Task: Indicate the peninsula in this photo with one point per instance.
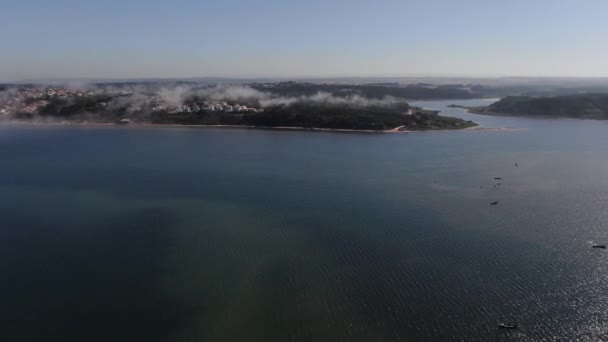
(583, 106)
(246, 106)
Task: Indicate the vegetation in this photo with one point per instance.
(315, 115)
(67, 107)
(331, 116)
(413, 91)
(584, 106)
(307, 114)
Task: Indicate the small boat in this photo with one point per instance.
(497, 178)
(599, 246)
(494, 203)
(507, 326)
(516, 165)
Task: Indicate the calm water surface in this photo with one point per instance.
(184, 234)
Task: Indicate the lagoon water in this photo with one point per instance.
(189, 234)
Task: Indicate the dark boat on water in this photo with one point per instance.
(599, 246)
(507, 326)
(497, 178)
(494, 203)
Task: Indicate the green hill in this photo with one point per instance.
(311, 115)
(584, 106)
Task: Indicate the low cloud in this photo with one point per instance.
(177, 95)
(267, 99)
(140, 99)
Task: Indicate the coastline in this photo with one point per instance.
(531, 117)
(478, 111)
(276, 128)
(150, 125)
(495, 129)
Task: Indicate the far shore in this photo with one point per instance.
(148, 124)
(478, 111)
(281, 128)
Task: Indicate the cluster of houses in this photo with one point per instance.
(206, 106)
(14, 107)
(36, 93)
(33, 107)
(31, 99)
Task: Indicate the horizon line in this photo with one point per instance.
(295, 78)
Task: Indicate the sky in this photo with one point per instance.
(43, 39)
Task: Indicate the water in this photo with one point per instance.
(184, 234)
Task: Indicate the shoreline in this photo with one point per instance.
(476, 111)
(277, 128)
(509, 129)
(149, 125)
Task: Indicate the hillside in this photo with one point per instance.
(585, 106)
(377, 91)
(310, 115)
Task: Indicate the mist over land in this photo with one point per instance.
(347, 103)
(372, 106)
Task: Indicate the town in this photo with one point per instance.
(204, 106)
(20, 101)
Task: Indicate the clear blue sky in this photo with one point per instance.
(190, 38)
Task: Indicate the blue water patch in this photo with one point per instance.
(181, 234)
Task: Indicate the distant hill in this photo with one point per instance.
(585, 106)
(410, 92)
